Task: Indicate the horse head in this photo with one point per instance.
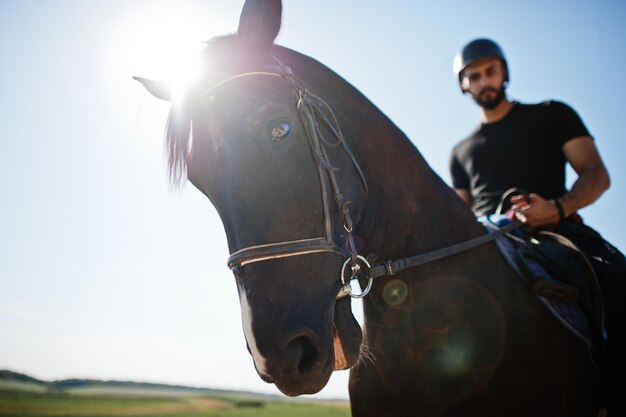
(262, 142)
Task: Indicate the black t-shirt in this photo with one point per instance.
(524, 150)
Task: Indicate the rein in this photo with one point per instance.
(393, 267)
(310, 107)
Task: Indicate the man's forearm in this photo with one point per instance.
(589, 186)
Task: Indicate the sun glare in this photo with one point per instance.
(161, 40)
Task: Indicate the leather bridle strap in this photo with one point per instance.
(393, 267)
(265, 252)
(269, 70)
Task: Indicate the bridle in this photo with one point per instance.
(311, 108)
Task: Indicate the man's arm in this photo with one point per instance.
(593, 180)
(465, 195)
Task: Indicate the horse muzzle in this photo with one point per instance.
(300, 359)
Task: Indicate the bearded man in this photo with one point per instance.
(526, 147)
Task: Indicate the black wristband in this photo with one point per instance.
(559, 207)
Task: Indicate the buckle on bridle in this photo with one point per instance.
(355, 271)
(389, 269)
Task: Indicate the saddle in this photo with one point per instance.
(555, 270)
(573, 276)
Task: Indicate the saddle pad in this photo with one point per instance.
(569, 314)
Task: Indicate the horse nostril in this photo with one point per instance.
(305, 353)
(300, 365)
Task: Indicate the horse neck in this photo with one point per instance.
(410, 209)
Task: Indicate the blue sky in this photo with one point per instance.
(105, 273)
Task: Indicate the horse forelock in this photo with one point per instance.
(177, 146)
(218, 52)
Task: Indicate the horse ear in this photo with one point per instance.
(259, 24)
(158, 88)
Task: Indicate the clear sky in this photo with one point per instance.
(105, 273)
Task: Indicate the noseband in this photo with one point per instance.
(311, 108)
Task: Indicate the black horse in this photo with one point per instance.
(312, 183)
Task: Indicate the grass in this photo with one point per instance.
(36, 404)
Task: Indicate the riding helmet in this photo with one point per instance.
(475, 50)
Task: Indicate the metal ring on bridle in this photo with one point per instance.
(346, 264)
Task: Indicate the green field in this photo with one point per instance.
(38, 404)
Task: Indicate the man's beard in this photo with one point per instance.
(490, 103)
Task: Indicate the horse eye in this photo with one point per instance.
(280, 130)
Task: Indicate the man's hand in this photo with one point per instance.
(534, 210)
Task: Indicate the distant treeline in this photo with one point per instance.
(62, 384)
(72, 384)
(83, 383)
(16, 376)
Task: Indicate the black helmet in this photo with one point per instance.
(475, 50)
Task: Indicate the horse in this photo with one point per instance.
(314, 185)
